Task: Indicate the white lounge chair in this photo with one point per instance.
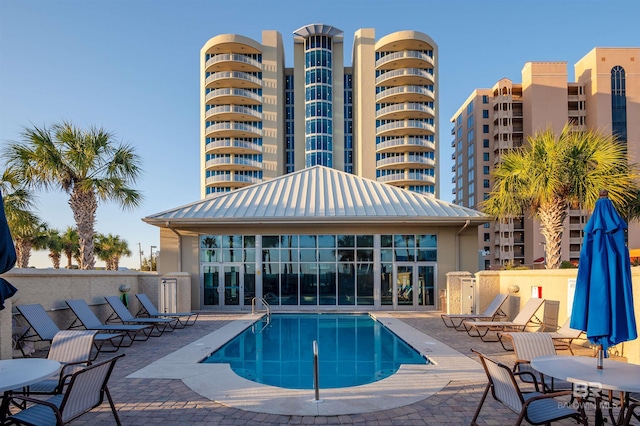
(563, 338)
(490, 314)
(519, 323)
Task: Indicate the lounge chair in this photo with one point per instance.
(122, 314)
(519, 323)
(44, 329)
(89, 320)
(85, 391)
(563, 338)
(534, 407)
(148, 309)
(490, 314)
(550, 315)
(72, 349)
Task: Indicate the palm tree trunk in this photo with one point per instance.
(552, 216)
(55, 259)
(23, 253)
(84, 205)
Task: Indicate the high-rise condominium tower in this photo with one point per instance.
(376, 119)
(604, 96)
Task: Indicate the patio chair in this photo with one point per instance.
(148, 309)
(72, 349)
(44, 329)
(564, 337)
(534, 407)
(85, 391)
(121, 313)
(527, 346)
(89, 320)
(631, 413)
(492, 312)
(526, 315)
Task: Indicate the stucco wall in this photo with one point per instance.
(555, 286)
(51, 287)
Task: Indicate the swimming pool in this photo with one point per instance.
(353, 349)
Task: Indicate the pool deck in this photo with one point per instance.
(159, 383)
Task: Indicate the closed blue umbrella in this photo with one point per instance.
(603, 300)
(7, 256)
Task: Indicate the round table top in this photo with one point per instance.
(19, 372)
(615, 375)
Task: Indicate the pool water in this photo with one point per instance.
(353, 349)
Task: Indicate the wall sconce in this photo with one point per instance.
(513, 288)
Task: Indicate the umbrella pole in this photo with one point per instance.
(600, 356)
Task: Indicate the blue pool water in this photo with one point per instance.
(353, 349)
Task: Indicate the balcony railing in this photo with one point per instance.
(399, 90)
(405, 72)
(238, 75)
(406, 106)
(232, 57)
(233, 143)
(229, 91)
(406, 54)
(399, 160)
(406, 141)
(232, 109)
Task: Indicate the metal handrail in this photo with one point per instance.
(264, 303)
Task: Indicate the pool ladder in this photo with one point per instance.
(267, 307)
(264, 303)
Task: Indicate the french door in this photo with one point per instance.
(414, 284)
(222, 285)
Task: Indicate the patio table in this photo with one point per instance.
(19, 372)
(582, 370)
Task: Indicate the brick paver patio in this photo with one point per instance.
(170, 402)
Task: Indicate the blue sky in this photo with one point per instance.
(132, 67)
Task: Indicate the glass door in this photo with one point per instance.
(404, 285)
(414, 284)
(233, 285)
(426, 285)
(210, 290)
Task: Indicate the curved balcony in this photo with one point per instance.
(405, 94)
(232, 113)
(405, 76)
(233, 163)
(406, 144)
(232, 146)
(232, 79)
(405, 59)
(229, 95)
(404, 127)
(230, 129)
(405, 110)
(406, 162)
(232, 62)
(408, 178)
(232, 180)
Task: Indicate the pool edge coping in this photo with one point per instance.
(410, 384)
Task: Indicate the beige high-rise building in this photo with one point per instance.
(376, 119)
(605, 96)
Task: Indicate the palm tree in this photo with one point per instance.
(28, 235)
(25, 226)
(86, 164)
(70, 245)
(55, 246)
(553, 173)
(110, 248)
